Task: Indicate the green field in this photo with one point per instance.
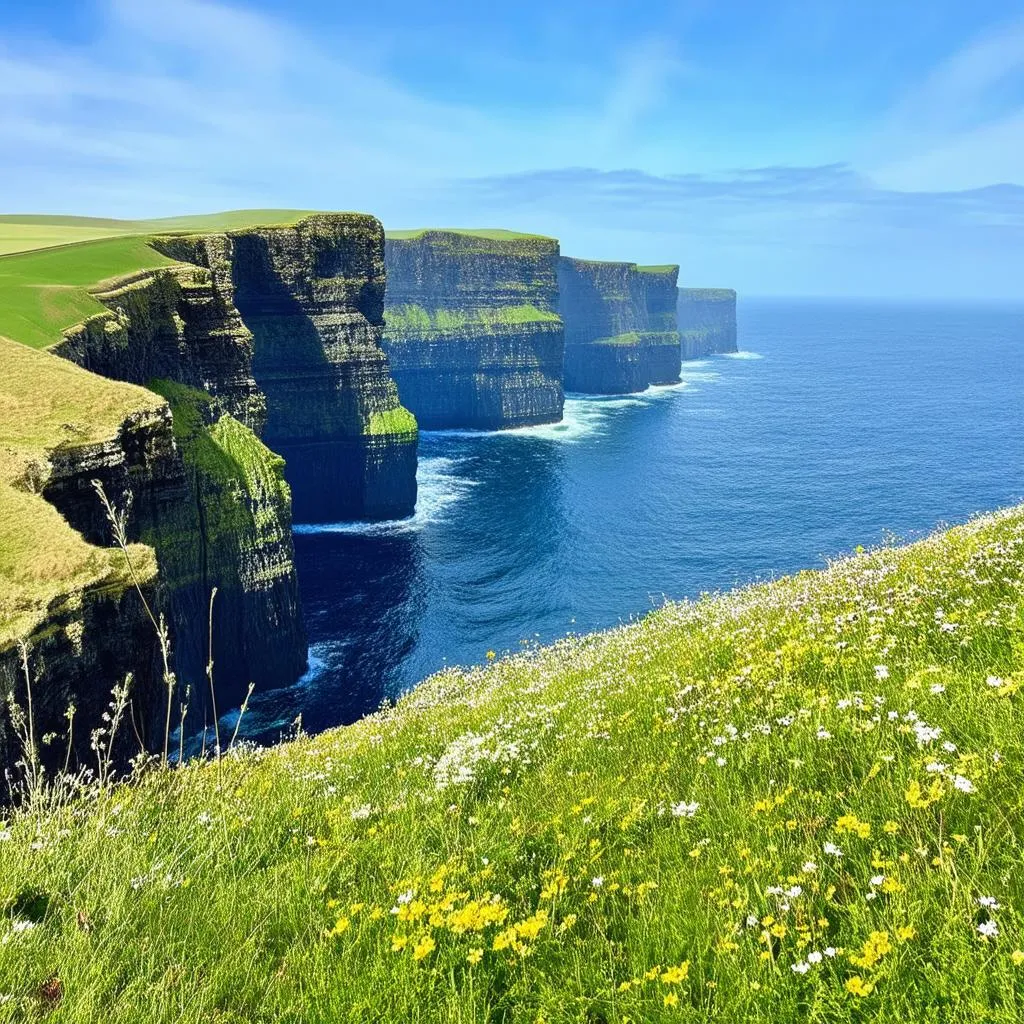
(23, 232)
(45, 292)
(798, 802)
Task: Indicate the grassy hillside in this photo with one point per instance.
(43, 293)
(41, 557)
(23, 232)
(797, 802)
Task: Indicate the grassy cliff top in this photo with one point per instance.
(24, 232)
(707, 294)
(796, 801)
(492, 234)
(657, 268)
(46, 403)
(43, 293)
(411, 321)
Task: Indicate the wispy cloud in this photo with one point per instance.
(963, 124)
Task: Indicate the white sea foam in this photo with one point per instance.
(439, 486)
(743, 355)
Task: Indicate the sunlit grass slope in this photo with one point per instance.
(44, 293)
(48, 403)
(23, 232)
(796, 802)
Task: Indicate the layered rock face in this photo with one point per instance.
(219, 516)
(313, 297)
(664, 354)
(707, 321)
(620, 329)
(72, 599)
(472, 328)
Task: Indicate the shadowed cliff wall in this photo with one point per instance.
(707, 321)
(472, 329)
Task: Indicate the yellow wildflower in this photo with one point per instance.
(906, 933)
(341, 926)
(671, 999)
(424, 948)
(1017, 956)
(674, 975)
(858, 986)
(399, 942)
(474, 956)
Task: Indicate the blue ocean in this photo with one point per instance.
(838, 424)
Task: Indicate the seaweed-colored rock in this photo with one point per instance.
(224, 520)
(620, 325)
(707, 321)
(472, 328)
(312, 295)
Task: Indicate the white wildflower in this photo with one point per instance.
(989, 929)
(832, 850)
(685, 810)
(800, 968)
(963, 784)
(881, 672)
(814, 958)
(597, 881)
(989, 902)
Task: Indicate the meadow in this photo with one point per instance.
(799, 801)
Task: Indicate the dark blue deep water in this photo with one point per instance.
(839, 425)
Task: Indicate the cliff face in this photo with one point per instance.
(312, 296)
(472, 328)
(707, 321)
(63, 591)
(664, 354)
(217, 512)
(620, 330)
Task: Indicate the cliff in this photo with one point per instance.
(472, 329)
(312, 296)
(63, 591)
(664, 355)
(620, 325)
(222, 517)
(707, 321)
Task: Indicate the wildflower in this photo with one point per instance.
(990, 902)
(399, 942)
(877, 880)
(832, 850)
(988, 929)
(876, 945)
(671, 999)
(341, 926)
(597, 881)
(362, 813)
(937, 688)
(823, 733)
(814, 957)
(1017, 956)
(5, 835)
(675, 975)
(809, 867)
(491, 655)
(891, 827)
(881, 672)
(857, 986)
(830, 951)
(474, 956)
(684, 809)
(800, 968)
(906, 933)
(964, 785)
(994, 681)
(424, 948)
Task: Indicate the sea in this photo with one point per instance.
(838, 424)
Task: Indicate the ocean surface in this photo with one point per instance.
(837, 425)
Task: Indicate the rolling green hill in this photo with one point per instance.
(25, 232)
(797, 802)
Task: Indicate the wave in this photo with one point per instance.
(743, 355)
(439, 486)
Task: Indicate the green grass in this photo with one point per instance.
(642, 826)
(392, 421)
(46, 403)
(492, 234)
(661, 268)
(417, 321)
(629, 338)
(44, 293)
(23, 232)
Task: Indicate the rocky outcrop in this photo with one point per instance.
(472, 328)
(664, 355)
(72, 599)
(218, 512)
(707, 321)
(312, 296)
(620, 329)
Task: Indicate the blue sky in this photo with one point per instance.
(816, 147)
